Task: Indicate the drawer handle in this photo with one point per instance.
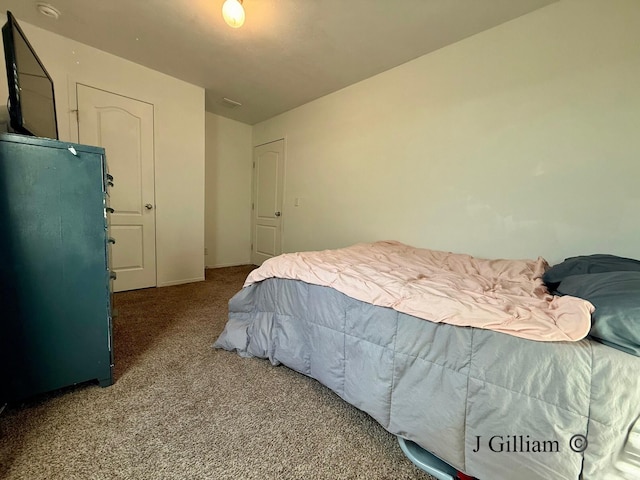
(113, 275)
(110, 210)
(111, 240)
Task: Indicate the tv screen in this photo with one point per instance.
(32, 109)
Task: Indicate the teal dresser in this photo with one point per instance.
(55, 296)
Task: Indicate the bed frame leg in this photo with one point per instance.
(428, 462)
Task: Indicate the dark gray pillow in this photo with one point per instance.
(616, 296)
(598, 263)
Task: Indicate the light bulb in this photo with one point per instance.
(233, 13)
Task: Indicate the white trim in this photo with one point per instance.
(72, 108)
(180, 282)
(225, 265)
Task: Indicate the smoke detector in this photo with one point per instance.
(48, 10)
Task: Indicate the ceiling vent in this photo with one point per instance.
(230, 103)
(48, 10)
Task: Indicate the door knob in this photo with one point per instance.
(148, 206)
(277, 214)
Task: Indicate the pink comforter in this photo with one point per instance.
(507, 296)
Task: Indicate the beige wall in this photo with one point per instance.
(517, 142)
(228, 192)
(178, 140)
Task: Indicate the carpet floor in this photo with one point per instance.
(180, 409)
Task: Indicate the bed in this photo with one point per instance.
(494, 393)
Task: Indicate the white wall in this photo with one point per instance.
(178, 140)
(228, 173)
(516, 142)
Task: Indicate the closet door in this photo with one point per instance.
(124, 127)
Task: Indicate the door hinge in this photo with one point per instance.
(252, 207)
(254, 164)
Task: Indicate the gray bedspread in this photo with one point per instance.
(491, 405)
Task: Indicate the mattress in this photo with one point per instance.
(489, 404)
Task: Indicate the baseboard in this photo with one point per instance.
(224, 265)
(180, 282)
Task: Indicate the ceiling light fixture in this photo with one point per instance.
(233, 13)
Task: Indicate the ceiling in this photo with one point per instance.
(288, 52)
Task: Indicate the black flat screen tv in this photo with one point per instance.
(32, 106)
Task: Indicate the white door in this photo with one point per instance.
(124, 127)
(268, 185)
